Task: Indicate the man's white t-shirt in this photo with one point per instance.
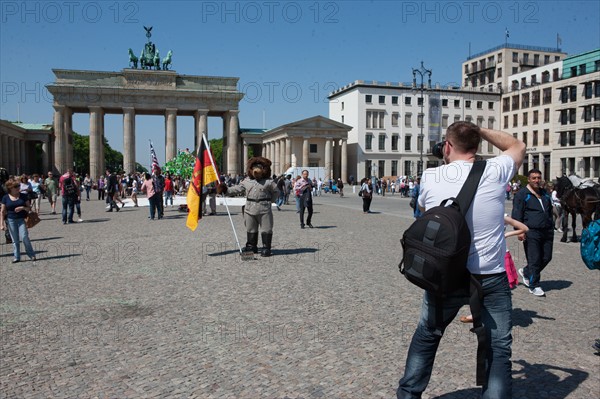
(486, 255)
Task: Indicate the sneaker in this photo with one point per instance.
(537, 291)
(560, 230)
(79, 220)
(525, 280)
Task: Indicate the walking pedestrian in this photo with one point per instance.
(15, 207)
(303, 190)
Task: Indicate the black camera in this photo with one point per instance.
(438, 150)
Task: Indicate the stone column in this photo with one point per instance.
(276, 161)
(328, 163)
(245, 154)
(344, 161)
(171, 134)
(288, 154)
(10, 159)
(282, 159)
(46, 156)
(271, 147)
(59, 133)
(24, 166)
(128, 139)
(233, 158)
(200, 126)
(96, 142)
(68, 120)
(305, 148)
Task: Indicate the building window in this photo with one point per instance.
(587, 90)
(491, 105)
(407, 142)
(555, 76)
(468, 118)
(456, 118)
(587, 136)
(597, 89)
(546, 59)
(505, 122)
(525, 100)
(479, 104)
(564, 95)
(535, 138)
(491, 122)
(547, 96)
(395, 117)
(456, 103)
(420, 120)
(546, 115)
(381, 120)
(342, 105)
(420, 101)
(407, 168)
(444, 121)
(587, 113)
(533, 79)
(467, 104)
(563, 139)
(480, 121)
(369, 116)
(407, 100)
(505, 104)
(445, 102)
(381, 99)
(515, 120)
(515, 56)
(525, 119)
(381, 169)
(407, 121)
(546, 137)
(368, 99)
(597, 112)
(369, 141)
(545, 77)
(572, 115)
(394, 168)
(490, 147)
(499, 72)
(499, 57)
(573, 71)
(573, 93)
(382, 142)
(395, 139)
(564, 115)
(525, 138)
(597, 136)
(394, 100)
(515, 70)
(535, 98)
(313, 148)
(515, 103)
(535, 117)
(572, 138)
(342, 118)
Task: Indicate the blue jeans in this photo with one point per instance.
(538, 252)
(280, 199)
(18, 232)
(154, 203)
(497, 320)
(168, 197)
(70, 203)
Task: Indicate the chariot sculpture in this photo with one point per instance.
(150, 56)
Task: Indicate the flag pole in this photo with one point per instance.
(224, 197)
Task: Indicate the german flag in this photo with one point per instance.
(205, 172)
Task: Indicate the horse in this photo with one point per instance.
(167, 61)
(156, 61)
(583, 201)
(133, 60)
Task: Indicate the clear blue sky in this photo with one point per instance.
(288, 54)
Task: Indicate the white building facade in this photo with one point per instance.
(387, 119)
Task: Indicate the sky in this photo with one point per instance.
(288, 55)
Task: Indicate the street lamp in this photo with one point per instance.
(422, 71)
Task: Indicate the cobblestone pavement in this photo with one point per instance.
(123, 307)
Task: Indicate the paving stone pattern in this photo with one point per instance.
(123, 307)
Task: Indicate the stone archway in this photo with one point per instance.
(134, 92)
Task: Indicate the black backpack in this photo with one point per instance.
(69, 187)
(435, 251)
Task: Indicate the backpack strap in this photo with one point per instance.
(467, 192)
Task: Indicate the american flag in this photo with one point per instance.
(154, 159)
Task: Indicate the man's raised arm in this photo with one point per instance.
(509, 145)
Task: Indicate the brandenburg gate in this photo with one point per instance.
(134, 92)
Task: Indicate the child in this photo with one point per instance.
(509, 265)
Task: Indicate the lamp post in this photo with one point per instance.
(422, 71)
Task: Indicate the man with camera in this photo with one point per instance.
(485, 219)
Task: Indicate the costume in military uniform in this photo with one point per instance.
(260, 191)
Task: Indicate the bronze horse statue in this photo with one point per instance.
(133, 60)
(583, 201)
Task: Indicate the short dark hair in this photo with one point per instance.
(465, 136)
(534, 170)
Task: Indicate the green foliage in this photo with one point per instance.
(216, 146)
(181, 165)
(522, 179)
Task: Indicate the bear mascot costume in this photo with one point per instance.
(260, 191)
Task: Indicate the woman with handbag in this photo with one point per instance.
(15, 208)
